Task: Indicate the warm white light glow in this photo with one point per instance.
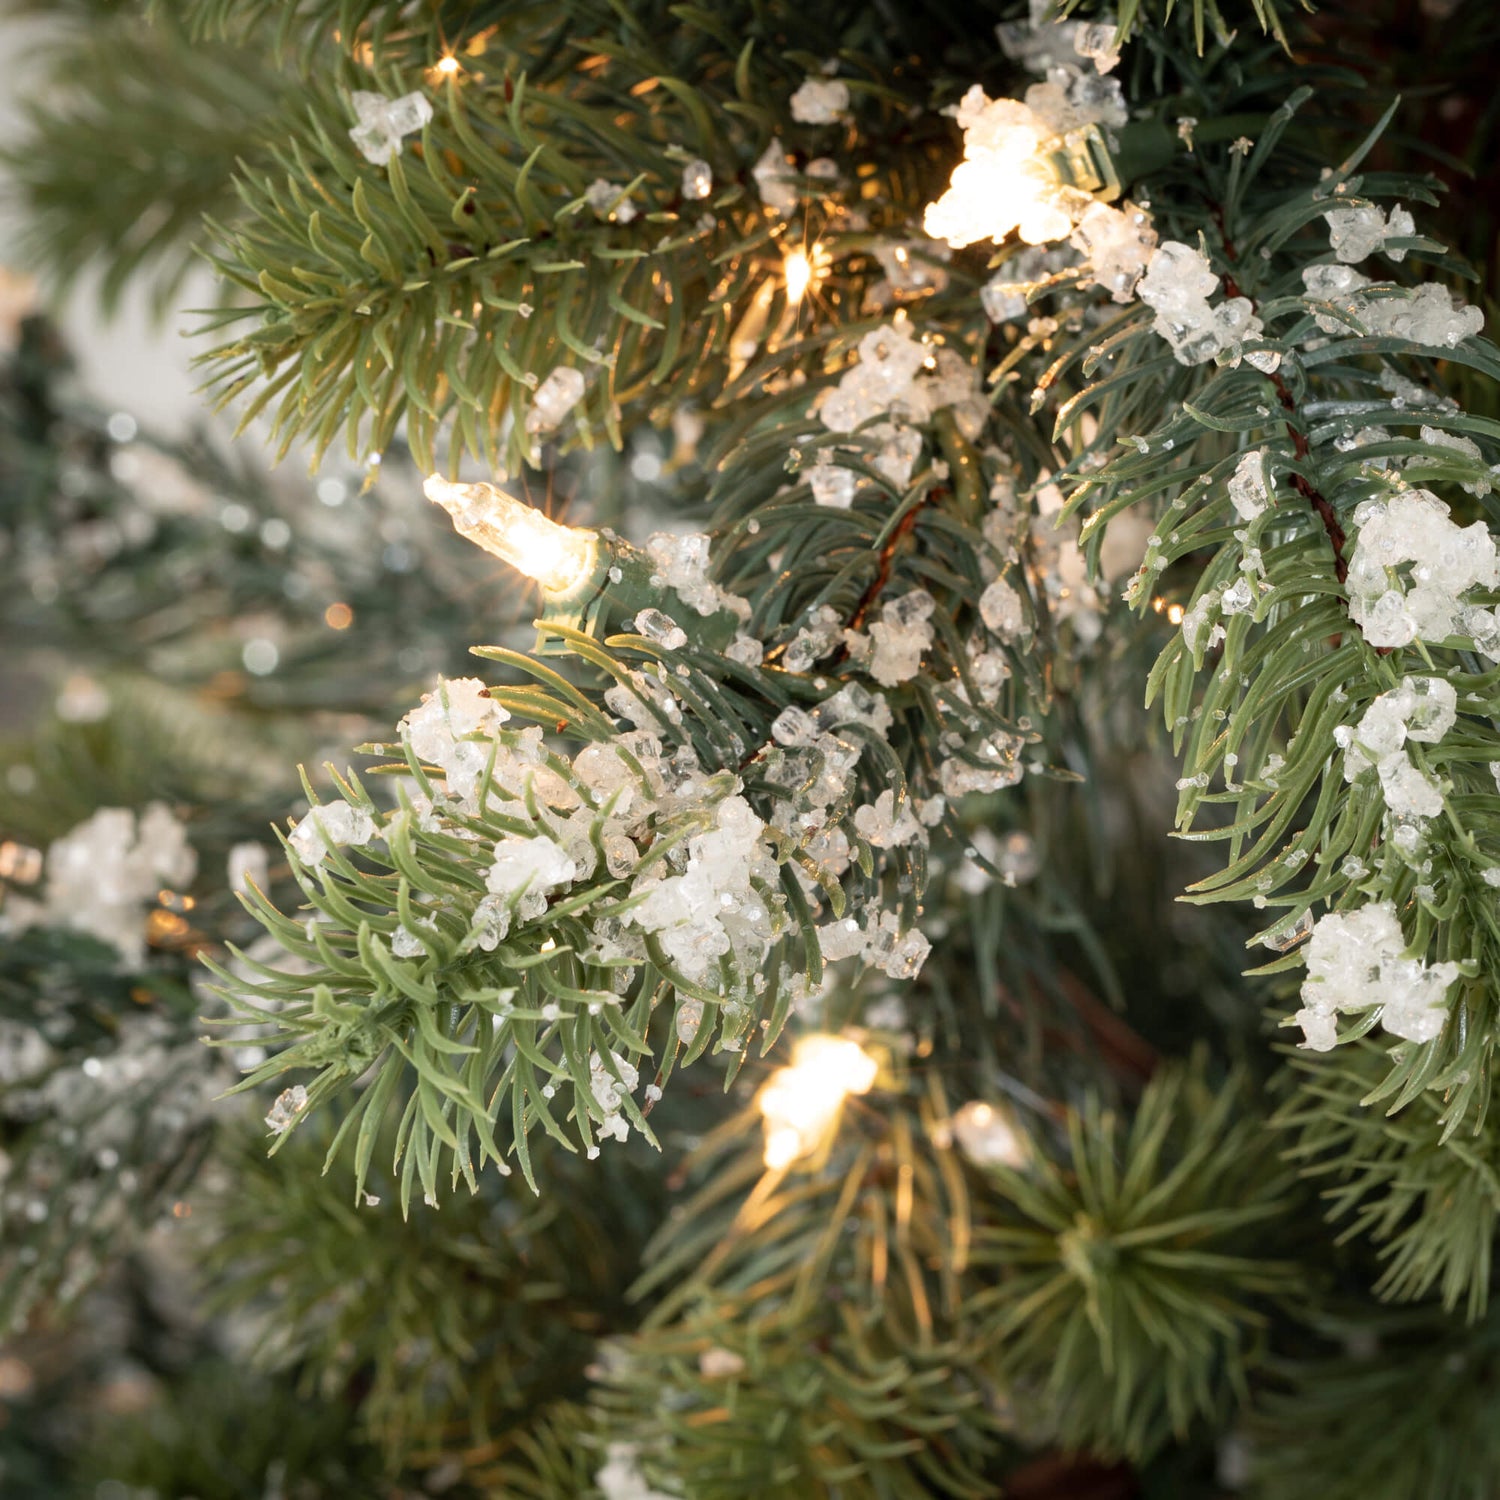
(560, 558)
(992, 194)
(800, 1103)
(1004, 183)
(447, 66)
(798, 271)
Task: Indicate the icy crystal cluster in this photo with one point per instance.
(103, 875)
(899, 377)
(553, 399)
(1411, 566)
(1426, 315)
(659, 860)
(1422, 710)
(1118, 244)
(1355, 963)
(989, 1136)
(1005, 181)
(621, 1479)
(820, 101)
(900, 637)
(1177, 285)
(1249, 492)
(383, 122)
(1358, 230)
(775, 180)
(1040, 43)
(333, 825)
(450, 730)
(680, 562)
(609, 201)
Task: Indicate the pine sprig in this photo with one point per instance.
(1427, 1197)
(373, 1308)
(1271, 675)
(406, 292)
(195, 112)
(1095, 1257)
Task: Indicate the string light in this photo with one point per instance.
(1019, 174)
(800, 1103)
(560, 558)
(798, 273)
(447, 66)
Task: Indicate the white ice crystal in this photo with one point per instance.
(661, 628)
(999, 767)
(453, 730)
(1001, 610)
(1238, 598)
(331, 825)
(248, 864)
(900, 637)
(621, 1478)
(712, 907)
(1358, 230)
(1356, 962)
(289, 1104)
(1004, 295)
(553, 399)
(1117, 243)
(697, 179)
(681, 562)
(899, 377)
(1426, 315)
(831, 485)
(1429, 316)
(1248, 492)
(1177, 285)
(909, 265)
(775, 180)
(1436, 437)
(1422, 709)
(610, 1092)
(529, 868)
(820, 101)
(383, 122)
(1411, 566)
(1195, 622)
(608, 201)
(102, 875)
(878, 823)
(1041, 44)
(1072, 98)
(883, 380)
(880, 942)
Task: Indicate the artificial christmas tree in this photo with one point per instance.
(741, 1037)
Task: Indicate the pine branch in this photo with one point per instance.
(130, 140)
(1096, 1255)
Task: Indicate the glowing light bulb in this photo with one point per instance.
(800, 1103)
(560, 558)
(1175, 613)
(447, 66)
(1019, 175)
(798, 273)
